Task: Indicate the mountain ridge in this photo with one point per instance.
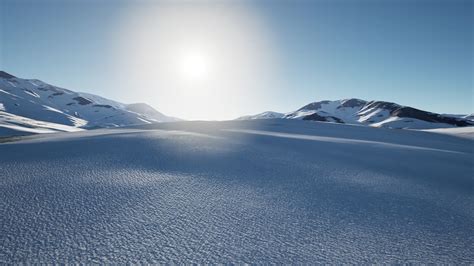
(27, 105)
(373, 113)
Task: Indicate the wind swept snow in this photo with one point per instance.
(256, 191)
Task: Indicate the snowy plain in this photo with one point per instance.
(259, 191)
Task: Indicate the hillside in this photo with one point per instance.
(371, 113)
(30, 106)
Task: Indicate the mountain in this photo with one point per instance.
(150, 112)
(375, 114)
(33, 106)
(264, 115)
(469, 117)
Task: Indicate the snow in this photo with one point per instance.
(32, 93)
(334, 140)
(409, 123)
(330, 108)
(12, 125)
(144, 121)
(371, 113)
(300, 114)
(469, 117)
(13, 130)
(257, 191)
(40, 101)
(12, 84)
(6, 92)
(465, 132)
(264, 115)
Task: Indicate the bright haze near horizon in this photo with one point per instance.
(224, 59)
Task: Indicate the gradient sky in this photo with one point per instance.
(268, 55)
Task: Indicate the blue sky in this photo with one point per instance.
(417, 53)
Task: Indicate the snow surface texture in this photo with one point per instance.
(259, 191)
(29, 102)
(370, 113)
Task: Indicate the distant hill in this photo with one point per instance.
(371, 113)
(33, 106)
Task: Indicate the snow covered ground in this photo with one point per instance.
(274, 191)
(465, 132)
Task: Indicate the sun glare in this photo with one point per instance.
(179, 52)
(194, 65)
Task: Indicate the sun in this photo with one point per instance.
(194, 65)
(220, 55)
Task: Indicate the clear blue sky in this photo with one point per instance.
(417, 53)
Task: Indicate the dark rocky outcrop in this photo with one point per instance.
(317, 117)
(380, 105)
(411, 112)
(313, 106)
(82, 100)
(352, 103)
(5, 75)
(103, 105)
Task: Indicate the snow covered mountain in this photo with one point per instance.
(33, 106)
(264, 115)
(373, 113)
